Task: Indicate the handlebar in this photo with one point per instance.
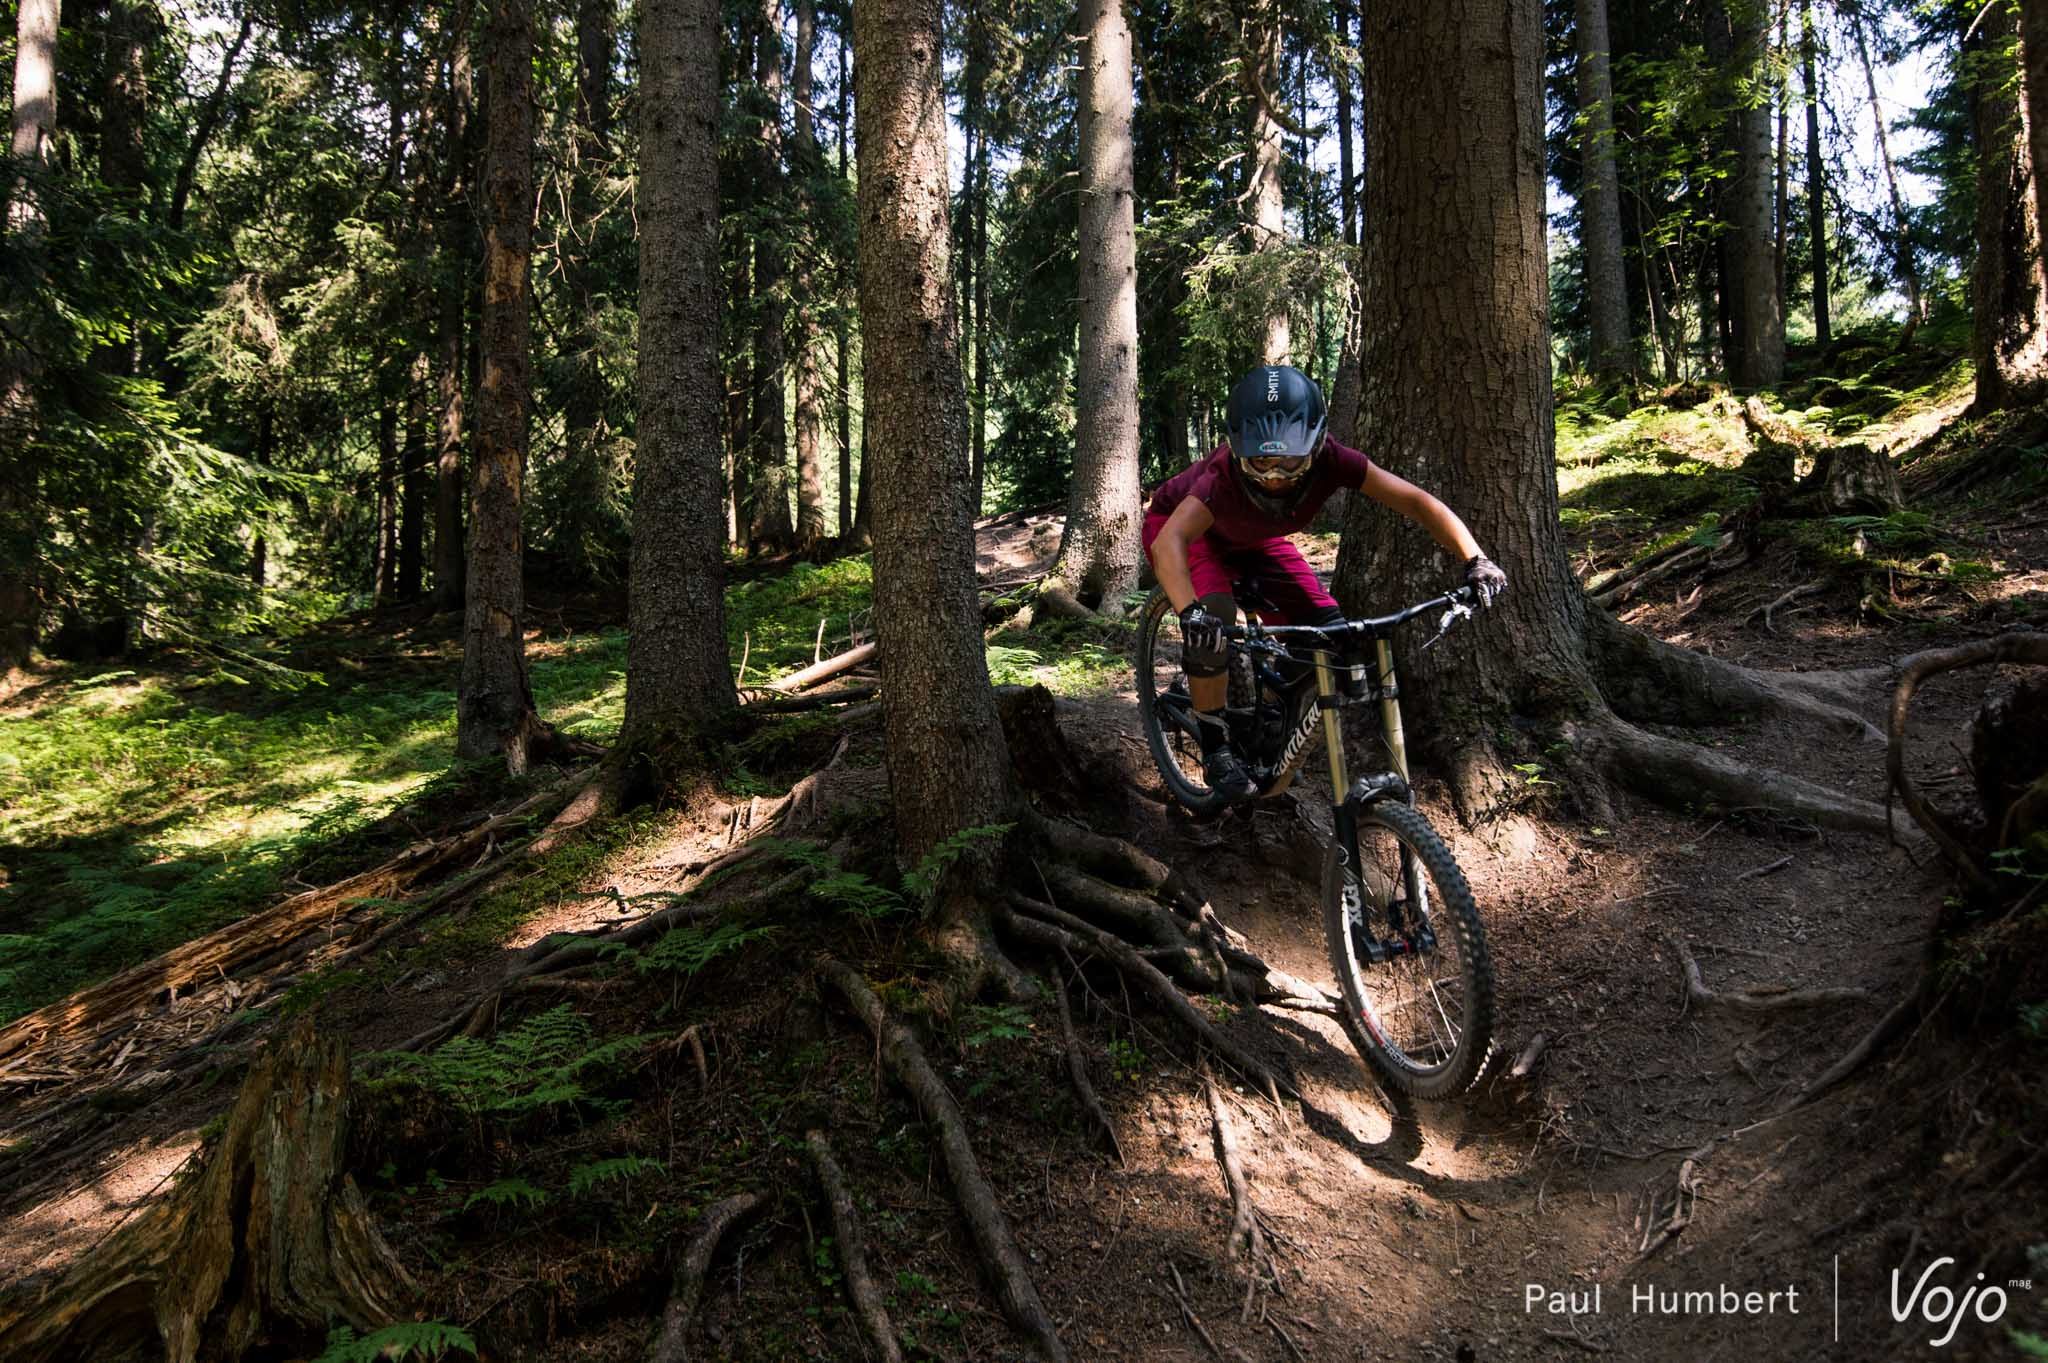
(1370, 627)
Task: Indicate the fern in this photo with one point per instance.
(854, 893)
(923, 880)
(998, 1022)
(625, 1168)
(542, 1063)
(1011, 666)
(507, 1192)
(687, 950)
(414, 1339)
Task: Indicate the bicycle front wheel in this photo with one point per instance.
(1409, 953)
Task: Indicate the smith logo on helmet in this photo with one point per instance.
(1272, 385)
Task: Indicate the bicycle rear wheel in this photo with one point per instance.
(1166, 709)
(1424, 1013)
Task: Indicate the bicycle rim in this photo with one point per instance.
(1425, 1016)
(1161, 690)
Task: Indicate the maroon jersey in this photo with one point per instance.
(1239, 520)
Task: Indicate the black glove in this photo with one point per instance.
(1200, 632)
(1484, 577)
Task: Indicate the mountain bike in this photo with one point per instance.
(1405, 940)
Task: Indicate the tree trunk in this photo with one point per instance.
(810, 380)
(1266, 228)
(1902, 238)
(1099, 553)
(494, 711)
(384, 576)
(259, 548)
(769, 526)
(1816, 182)
(678, 677)
(2034, 104)
(1347, 186)
(449, 570)
(584, 529)
(949, 768)
(412, 508)
(21, 217)
(977, 414)
(842, 332)
(2009, 308)
(208, 124)
(1781, 197)
(269, 1244)
(1759, 358)
(1456, 396)
(1600, 198)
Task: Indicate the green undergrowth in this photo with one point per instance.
(142, 807)
(773, 621)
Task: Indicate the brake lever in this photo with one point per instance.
(1457, 611)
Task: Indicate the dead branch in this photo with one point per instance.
(2005, 648)
(771, 704)
(906, 1060)
(672, 1345)
(851, 1243)
(1525, 1063)
(1807, 589)
(1077, 1073)
(269, 1238)
(1760, 999)
(89, 1016)
(1247, 1228)
(1187, 1310)
(831, 667)
(1683, 1201)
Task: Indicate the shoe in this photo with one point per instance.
(1226, 775)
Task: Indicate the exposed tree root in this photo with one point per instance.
(2005, 648)
(1077, 1074)
(1250, 1242)
(1045, 926)
(1755, 1000)
(1669, 770)
(991, 1230)
(672, 1345)
(269, 1242)
(1886, 1027)
(851, 1243)
(1645, 678)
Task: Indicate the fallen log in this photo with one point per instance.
(831, 667)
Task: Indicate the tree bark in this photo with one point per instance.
(268, 1243)
(1099, 552)
(1780, 202)
(1456, 397)
(1266, 225)
(678, 677)
(1759, 359)
(769, 524)
(842, 332)
(1341, 76)
(21, 216)
(455, 230)
(412, 508)
(810, 381)
(1600, 198)
(949, 768)
(384, 577)
(1816, 182)
(584, 529)
(2009, 301)
(494, 710)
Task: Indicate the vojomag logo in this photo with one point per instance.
(1939, 1305)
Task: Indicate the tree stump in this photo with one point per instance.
(270, 1240)
(1852, 479)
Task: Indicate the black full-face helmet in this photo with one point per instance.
(1275, 422)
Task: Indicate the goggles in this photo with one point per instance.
(1277, 467)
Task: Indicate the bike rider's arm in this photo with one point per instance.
(1400, 495)
(1190, 521)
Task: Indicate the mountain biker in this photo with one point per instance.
(1228, 518)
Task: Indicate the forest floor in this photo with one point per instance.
(538, 1178)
